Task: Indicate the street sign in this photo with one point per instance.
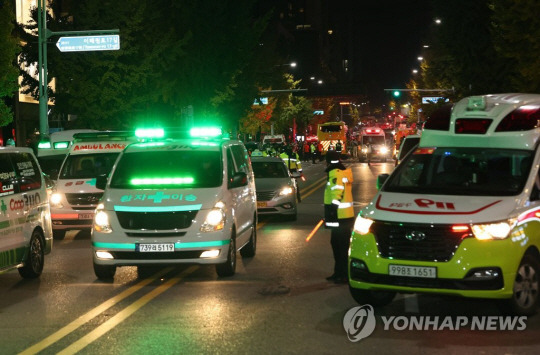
(89, 43)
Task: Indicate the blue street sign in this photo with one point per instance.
(89, 43)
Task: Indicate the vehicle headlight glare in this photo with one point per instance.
(384, 150)
(362, 225)
(286, 191)
(101, 222)
(492, 231)
(56, 198)
(215, 219)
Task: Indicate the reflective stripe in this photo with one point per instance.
(336, 202)
(345, 205)
(345, 180)
(157, 208)
(337, 187)
(332, 224)
(334, 161)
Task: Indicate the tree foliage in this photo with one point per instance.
(204, 54)
(9, 49)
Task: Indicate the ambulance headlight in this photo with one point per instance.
(101, 220)
(215, 219)
(384, 150)
(362, 225)
(490, 231)
(56, 199)
(286, 191)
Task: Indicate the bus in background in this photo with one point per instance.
(330, 134)
(51, 153)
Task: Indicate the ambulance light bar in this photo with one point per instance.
(149, 133)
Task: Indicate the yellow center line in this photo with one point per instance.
(314, 187)
(124, 314)
(85, 318)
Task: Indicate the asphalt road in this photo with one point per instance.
(278, 302)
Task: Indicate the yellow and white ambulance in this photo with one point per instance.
(176, 201)
(76, 197)
(25, 217)
(460, 215)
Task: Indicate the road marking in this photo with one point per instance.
(124, 314)
(314, 187)
(85, 318)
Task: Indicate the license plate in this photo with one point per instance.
(261, 204)
(86, 216)
(412, 271)
(156, 247)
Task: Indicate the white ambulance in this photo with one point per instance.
(76, 197)
(25, 217)
(460, 215)
(177, 201)
(372, 145)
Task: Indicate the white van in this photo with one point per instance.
(460, 214)
(372, 145)
(75, 197)
(25, 217)
(52, 152)
(177, 201)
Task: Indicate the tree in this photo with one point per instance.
(516, 32)
(203, 54)
(9, 48)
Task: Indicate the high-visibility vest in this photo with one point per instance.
(258, 153)
(293, 162)
(338, 196)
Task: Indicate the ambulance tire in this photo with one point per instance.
(104, 272)
(228, 268)
(249, 250)
(374, 298)
(35, 259)
(59, 234)
(524, 299)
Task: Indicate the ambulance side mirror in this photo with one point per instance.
(381, 179)
(239, 179)
(101, 181)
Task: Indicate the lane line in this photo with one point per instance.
(314, 187)
(85, 318)
(124, 314)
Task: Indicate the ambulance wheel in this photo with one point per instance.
(374, 298)
(228, 268)
(59, 234)
(104, 272)
(524, 299)
(249, 250)
(35, 258)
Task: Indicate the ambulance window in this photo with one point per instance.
(8, 181)
(27, 171)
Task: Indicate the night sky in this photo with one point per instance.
(390, 35)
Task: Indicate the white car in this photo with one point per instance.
(176, 201)
(276, 188)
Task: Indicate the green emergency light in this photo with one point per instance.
(149, 133)
(205, 132)
(162, 181)
(61, 145)
(44, 145)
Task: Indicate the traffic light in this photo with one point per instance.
(397, 93)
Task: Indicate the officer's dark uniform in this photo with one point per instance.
(339, 213)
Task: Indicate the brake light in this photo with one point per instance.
(460, 229)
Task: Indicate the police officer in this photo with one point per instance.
(338, 213)
(258, 153)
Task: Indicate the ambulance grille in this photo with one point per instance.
(75, 199)
(265, 195)
(422, 242)
(156, 220)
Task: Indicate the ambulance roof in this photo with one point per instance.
(508, 121)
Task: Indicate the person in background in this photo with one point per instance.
(306, 151)
(313, 152)
(338, 213)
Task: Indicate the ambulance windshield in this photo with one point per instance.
(462, 171)
(87, 166)
(172, 169)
